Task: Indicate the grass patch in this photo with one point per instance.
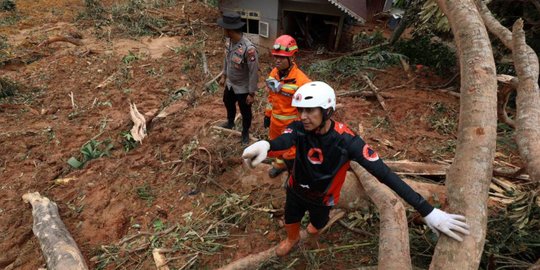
(127, 141)
(7, 88)
(7, 5)
(444, 120)
(145, 193)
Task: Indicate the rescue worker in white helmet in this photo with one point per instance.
(324, 149)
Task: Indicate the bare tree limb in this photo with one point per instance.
(58, 247)
(375, 91)
(528, 102)
(394, 234)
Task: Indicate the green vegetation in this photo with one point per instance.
(91, 150)
(7, 87)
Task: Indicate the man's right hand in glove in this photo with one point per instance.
(449, 224)
(254, 154)
(266, 122)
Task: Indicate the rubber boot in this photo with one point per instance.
(293, 237)
(312, 230)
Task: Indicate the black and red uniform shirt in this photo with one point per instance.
(322, 161)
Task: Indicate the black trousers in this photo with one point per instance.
(296, 207)
(230, 99)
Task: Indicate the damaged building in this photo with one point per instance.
(315, 24)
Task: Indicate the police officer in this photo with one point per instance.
(239, 73)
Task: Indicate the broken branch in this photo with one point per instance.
(394, 233)
(375, 91)
(69, 39)
(58, 247)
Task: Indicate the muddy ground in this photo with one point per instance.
(185, 179)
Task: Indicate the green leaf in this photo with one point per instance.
(73, 162)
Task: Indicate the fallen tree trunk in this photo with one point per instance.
(394, 232)
(528, 110)
(254, 260)
(469, 176)
(528, 102)
(58, 247)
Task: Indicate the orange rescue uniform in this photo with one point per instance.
(279, 107)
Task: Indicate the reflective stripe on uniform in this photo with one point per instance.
(293, 87)
(284, 117)
(269, 106)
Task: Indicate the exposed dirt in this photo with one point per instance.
(42, 129)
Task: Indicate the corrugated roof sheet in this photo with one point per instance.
(355, 8)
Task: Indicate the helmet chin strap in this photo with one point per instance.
(326, 114)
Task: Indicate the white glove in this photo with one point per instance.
(440, 221)
(256, 153)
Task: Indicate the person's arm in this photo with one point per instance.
(257, 152)
(437, 220)
(285, 141)
(253, 66)
(369, 159)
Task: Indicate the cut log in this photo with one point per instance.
(254, 260)
(58, 247)
(394, 232)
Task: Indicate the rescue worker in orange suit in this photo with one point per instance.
(283, 81)
(240, 73)
(324, 149)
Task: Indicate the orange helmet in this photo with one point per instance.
(285, 45)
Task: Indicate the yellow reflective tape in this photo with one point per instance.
(284, 117)
(291, 86)
(269, 106)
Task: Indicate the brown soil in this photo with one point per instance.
(41, 130)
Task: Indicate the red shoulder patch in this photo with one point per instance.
(342, 128)
(369, 153)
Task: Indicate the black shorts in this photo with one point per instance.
(296, 207)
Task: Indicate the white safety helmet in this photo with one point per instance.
(314, 95)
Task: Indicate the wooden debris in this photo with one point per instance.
(66, 38)
(58, 247)
(159, 259)
(375, 91)
(138, 131)
(206, 85)
(107, 81)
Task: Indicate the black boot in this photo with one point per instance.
(227, 125)
(275, 172)
(245, 138)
